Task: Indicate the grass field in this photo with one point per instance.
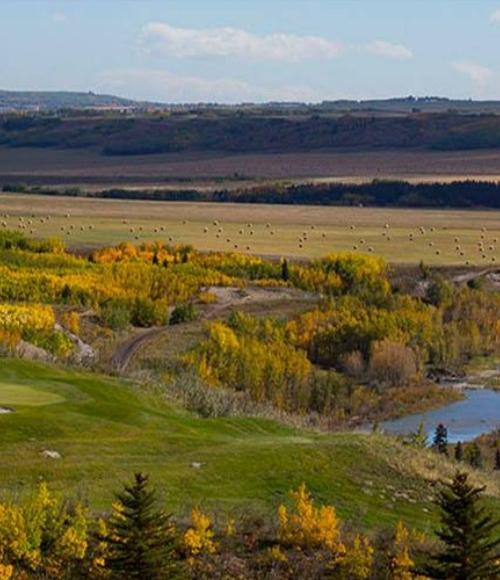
(104, 430)
(450, 237)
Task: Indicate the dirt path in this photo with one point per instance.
(227, 299)
(126, 350)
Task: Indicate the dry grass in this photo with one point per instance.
(275, 230)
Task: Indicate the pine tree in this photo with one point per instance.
(285, 272)
(141, 538)
(497, 459)
(440, 442)
(418, 438)
(459, 451)
(470, 537)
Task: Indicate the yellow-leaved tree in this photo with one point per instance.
(358, 560)
(199, 537)
(308, 526)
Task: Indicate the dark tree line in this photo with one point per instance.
(378, 193)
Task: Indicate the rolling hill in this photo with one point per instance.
(104, 430)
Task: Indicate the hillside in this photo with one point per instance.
(104, 430)
(238, 131)
(49, 100)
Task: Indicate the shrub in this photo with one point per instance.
(392, 364)
(308, 526)
(147, 312)
(116, 314)
(439, 292)
(207, 297)
(353, 364)
(183, 313)
(71, 321)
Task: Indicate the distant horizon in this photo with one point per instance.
(408, 98)
(189, 51)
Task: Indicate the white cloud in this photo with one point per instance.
(58, 17)
(158, 85)
(477, 73)
(220, 42)
(495, 17)
(389, 50)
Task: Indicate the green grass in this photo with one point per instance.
(105, 430)
(16, 394)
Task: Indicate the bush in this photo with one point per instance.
(439, 292)
(183, 313)
(353, 364)
(392, 364)
(116, 314)
(147, 312)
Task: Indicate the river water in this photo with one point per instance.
(478, 413)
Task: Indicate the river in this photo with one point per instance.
(478, 413)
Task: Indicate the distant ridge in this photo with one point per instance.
(53, 100)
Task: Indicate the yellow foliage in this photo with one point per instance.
(71, 321)
(21, 318)
(42, 536)
(358, 560)
(9, 339)
(253, 358)
(101, 552)
(277, 555)
(207, 297)
(6, 571)
(310, 526)
(401, 561)
(198, 539)
(230, 527)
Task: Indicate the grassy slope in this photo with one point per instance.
(105, 429)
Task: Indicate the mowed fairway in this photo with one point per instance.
(104, 430)
(438, 237)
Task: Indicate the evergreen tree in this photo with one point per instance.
(459, 451)
(418, 438)
(497, 459)
(470, 538)
(285, 271)
(141, 538)
(155, 260)
(440, 442)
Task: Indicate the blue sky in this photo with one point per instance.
(252, 50)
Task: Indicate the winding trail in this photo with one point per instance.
(227, 299)
(126, 350)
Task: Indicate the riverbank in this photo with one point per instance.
(477, 414)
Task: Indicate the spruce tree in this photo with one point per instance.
(141, 538)
(459, 451)
(440, 442)
(470, 538)
(285, 272)
(497, 459)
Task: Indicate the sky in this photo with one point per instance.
(252, 50)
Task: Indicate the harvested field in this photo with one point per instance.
(87, 168)
(438, 237)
